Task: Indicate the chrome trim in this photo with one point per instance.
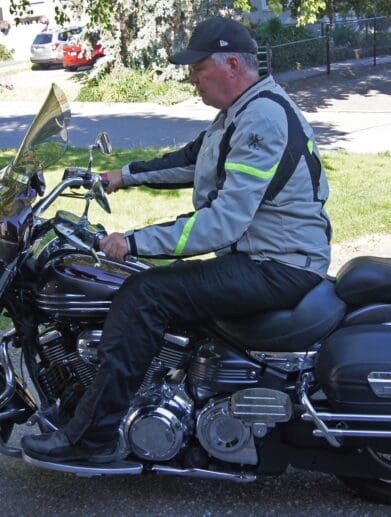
(51, 197)
(73, 304)
(332, 435)
(75, 310)
(243, 477)
(175, 339)
(82, 470)
(287, 361)
(39, 418)
(351, 417)
(355, 432)
(49, 336)
(380, 383)
(261, 405)
(322, 428)
(60, 296)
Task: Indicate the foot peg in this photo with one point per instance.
(85, 469)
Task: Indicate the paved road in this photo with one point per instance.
(129, 125)
(350, 111)
(26, 491)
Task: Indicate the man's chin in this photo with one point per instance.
(205, 100)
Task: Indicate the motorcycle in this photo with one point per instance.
(236, 400)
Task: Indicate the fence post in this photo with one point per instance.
(269, 57)
(374, 42)
(264, 60)
(328, 64)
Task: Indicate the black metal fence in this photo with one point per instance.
(332, 43)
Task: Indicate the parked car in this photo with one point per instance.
(75, 56)
(47, 47)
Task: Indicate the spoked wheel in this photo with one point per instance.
(378, 490)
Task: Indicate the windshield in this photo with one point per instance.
(45, 142)
(43, 39)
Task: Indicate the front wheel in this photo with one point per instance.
(377, 490)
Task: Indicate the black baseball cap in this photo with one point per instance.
(215, 35)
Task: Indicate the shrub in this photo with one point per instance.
(130, 85)
(347, 36)
(299, 53)
(5, 54)
(358, 41)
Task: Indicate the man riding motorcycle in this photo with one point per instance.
(259, 194)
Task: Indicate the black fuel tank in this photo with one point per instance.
(71, 286)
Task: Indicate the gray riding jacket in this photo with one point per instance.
(258, 187)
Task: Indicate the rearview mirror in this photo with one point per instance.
(103, 143)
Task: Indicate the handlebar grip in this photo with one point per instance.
(104, 179)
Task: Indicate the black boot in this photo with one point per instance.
(56, 447)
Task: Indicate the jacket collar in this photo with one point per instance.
(267, 83)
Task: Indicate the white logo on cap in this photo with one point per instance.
(223, 43)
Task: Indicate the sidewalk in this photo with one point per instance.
(294, 75)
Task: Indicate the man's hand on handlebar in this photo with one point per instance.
(114, 246)
(112, 181)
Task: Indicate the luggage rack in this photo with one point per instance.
(332, 434)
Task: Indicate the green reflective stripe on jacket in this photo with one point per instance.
(310, 146)
(185, 235)
(253, 171)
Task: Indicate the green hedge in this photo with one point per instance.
(348, 42)
(298, 54)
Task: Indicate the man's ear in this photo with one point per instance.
(234, 63)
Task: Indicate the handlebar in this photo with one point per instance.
(73, 177)
(85, 174)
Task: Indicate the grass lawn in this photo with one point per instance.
(359, 202)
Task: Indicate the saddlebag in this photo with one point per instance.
(354, 369)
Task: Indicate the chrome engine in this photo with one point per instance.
(160, 422)
(60, 359)
(226, 428)
(162, 417)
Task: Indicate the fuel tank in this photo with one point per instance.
(73, 286)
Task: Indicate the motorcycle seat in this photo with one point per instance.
(365, 280)
(289, 330)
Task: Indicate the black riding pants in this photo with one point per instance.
(185, 292)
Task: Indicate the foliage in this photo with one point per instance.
(141, 33)
(295, 55)
(5, 54)
(130, 85)
(357, 40)
(308, 11)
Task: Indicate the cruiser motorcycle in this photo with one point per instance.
(231, 400)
